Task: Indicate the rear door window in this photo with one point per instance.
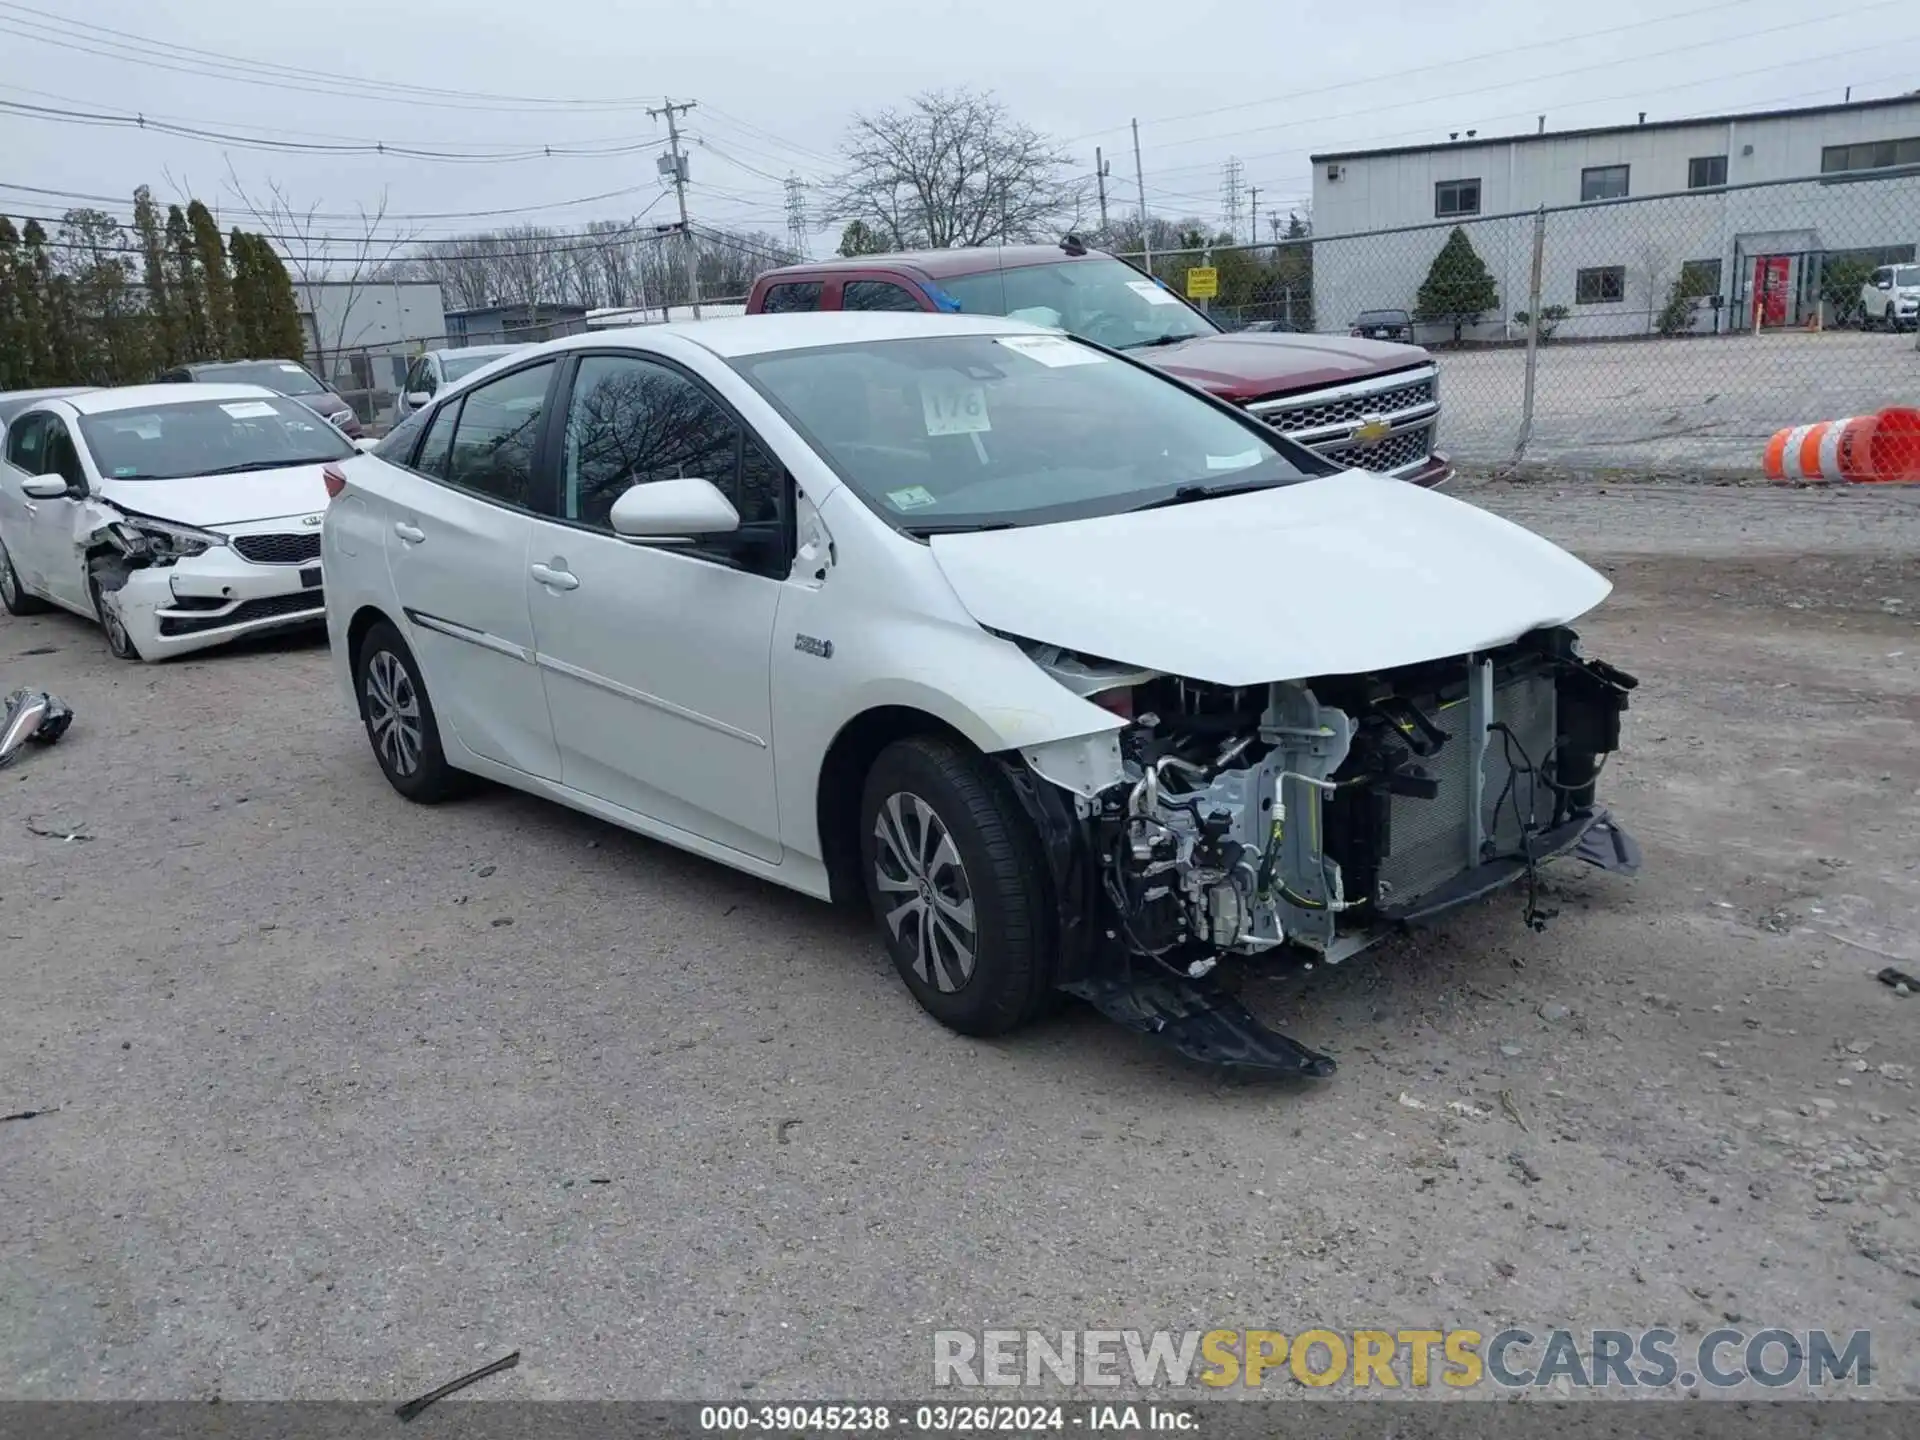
(794, 296)
(494, 438)
(877, 295)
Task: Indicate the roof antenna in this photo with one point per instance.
(1543, 126)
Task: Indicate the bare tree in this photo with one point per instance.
(333, 265)
(953, 168)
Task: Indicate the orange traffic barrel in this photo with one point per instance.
(1862, 449)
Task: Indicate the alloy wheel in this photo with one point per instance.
(924, 894)
(393, 713)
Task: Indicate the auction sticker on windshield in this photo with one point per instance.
(954, 409)
(1053, 351)
(914, 497)
(1155, 294)
(251, 410)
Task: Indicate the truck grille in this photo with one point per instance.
(1428, 839)
(1408, 447)
(278, 549)
(1350, 410)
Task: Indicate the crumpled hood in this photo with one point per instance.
(1344, 574)
(216, 500)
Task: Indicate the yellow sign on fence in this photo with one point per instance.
(1203, 282)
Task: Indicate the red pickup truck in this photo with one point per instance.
(1363, 404)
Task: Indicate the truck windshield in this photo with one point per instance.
(1102, 299)
(960, 432)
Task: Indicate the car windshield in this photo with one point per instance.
(962, 432)
(209, 437)
(1102, 299)
(457, 366)
(281, 376)
(1906, 274)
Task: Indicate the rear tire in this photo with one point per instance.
(952, 871)
(400, 722)
(13, 594)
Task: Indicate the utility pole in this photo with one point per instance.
(1100, 172)
(675, 164)
(1253, 214)
(1140, 179)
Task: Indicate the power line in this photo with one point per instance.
(344, 215)
(306, 147)
(139, 49)
(1797, 63)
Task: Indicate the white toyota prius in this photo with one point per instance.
(1082, 680)
(178, 516)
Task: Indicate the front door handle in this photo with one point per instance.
(555, 579)
(33, 509)
(412, 534)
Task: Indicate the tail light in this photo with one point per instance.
(1118, 701)
(336, 479)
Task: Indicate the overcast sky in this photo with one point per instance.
(1267, 83)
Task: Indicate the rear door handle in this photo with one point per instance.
(555, 579)
(412, 534)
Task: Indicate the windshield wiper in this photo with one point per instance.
(958, 527)
(1159, 340)
(246, 465)
(1186, 494)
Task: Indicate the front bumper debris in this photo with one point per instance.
(1200, 1020)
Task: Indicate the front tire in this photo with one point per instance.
(119, 642)
(952, 869)
(13, 595)
(400, 721)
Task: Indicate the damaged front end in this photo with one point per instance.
(1224, 823)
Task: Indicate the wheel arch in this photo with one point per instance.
(843, 771)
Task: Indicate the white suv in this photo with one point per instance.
(1891, 297)
(1082, 680)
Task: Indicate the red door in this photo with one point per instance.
(1772, 283)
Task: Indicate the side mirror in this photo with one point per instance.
(46, 487)
(419, 399)
(366, 445)
(673, 510)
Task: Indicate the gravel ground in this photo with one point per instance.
(1705, 403)
(348, 1095)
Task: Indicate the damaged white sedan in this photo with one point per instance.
(1078, 678)
(177, 516)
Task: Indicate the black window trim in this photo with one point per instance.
(14, 432)
(1438, 185)
(547, 487)
(1587, 170)
(540, 442)
(1619, 299)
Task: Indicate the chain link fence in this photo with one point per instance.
(1669, 334)
(372, 378)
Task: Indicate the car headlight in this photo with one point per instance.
(161, 540)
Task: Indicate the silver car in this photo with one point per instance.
(434, 368)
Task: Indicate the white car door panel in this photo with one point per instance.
(59, 526)
(656, 659)
(459, 568)
(657, 677)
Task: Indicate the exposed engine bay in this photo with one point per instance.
(1321, 814)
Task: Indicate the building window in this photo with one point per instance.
(1700, 277)
(1603, 182)
(1456, 197)
(1705, 172)
(1603, 285)
(1869, 155)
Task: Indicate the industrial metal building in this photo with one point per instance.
(1749, 212)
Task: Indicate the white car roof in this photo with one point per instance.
(765, 334)
(145, 397)
(455, 351)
